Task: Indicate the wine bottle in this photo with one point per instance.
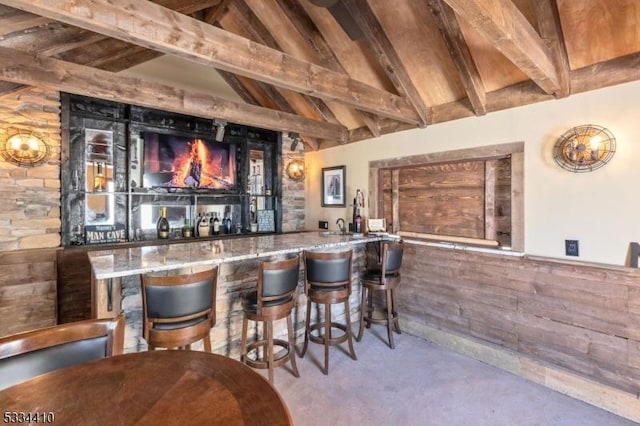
(227, 223)
(163, 224)
(203, 226)
(196, 225)
(216, 224)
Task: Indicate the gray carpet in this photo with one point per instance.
(420, 383)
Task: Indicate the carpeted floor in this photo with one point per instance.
(420, 383)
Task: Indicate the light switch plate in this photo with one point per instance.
(323, 224)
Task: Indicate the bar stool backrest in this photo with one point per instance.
(392, 255)
(179, 310)
(29, 354)
(328, 269)
(180, 296)
(277, 281)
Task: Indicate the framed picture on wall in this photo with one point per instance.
(334, 186)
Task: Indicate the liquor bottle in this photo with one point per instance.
(358, 223)
(227, 223)
(163, 224)
(203, 226)
(216, 224)
(196, 225)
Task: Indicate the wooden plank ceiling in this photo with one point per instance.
(334, 71)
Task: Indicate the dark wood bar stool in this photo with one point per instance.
(179, 310)
(32, 353)
(384, 276)
(273, 299)
(327, 282)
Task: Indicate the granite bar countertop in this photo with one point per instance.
(121, 262)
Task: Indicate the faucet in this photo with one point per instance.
(340, 223)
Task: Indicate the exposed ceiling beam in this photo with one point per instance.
(215, 12)
(387, 55)
(156, 27)
(19, 67)
(312, 35)
(621, 70)
(461, 55)
(79, 38)
(238, 88)
(260, 33)
(7, 88)
(551, 31)
(506, 28)
(19, 21)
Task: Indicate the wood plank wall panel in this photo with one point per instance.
(445, 199)
(74, 285)
(581, 317)
(27, 290)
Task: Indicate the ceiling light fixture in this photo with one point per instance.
(24, 148)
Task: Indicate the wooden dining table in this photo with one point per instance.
(148, 388)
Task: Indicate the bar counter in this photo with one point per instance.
(116, 286)
(123, 262)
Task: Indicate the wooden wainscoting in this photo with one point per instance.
(74, 285)
(28, 281)
(583, 318)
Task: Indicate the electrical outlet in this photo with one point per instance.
(323, 224)
(571, 248)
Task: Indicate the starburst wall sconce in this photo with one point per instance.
(584, 148)
(295, 170)
(24, 148)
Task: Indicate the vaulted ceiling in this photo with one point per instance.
(334, 71)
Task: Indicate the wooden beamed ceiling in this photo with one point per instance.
(417, 62)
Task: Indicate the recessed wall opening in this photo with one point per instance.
(470, 196)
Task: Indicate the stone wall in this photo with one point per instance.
(234, 280)
(30, 208)
(293, 215)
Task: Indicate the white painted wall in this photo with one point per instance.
(601, 209)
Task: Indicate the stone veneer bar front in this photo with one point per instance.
(116, 278)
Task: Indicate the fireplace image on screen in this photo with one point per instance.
(172, 161)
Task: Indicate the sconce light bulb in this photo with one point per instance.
(595, 141)
(33, 144)
(15, 142)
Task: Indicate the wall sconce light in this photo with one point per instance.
(295, 170)
(24, 148)
(584, 148)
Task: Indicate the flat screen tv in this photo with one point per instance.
(172, 161)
